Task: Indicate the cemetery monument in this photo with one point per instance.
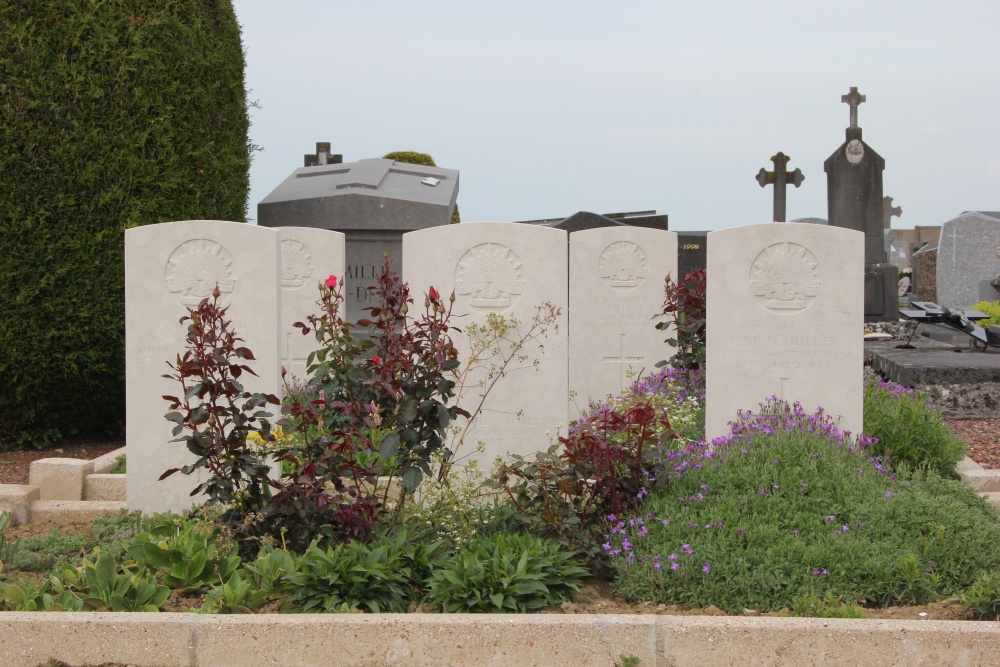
(373, 202)
(855, 201)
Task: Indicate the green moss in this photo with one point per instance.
(113, 114)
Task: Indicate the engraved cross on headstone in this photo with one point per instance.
(854, 100)
(954, 245)
(779, 177)
(622, 359)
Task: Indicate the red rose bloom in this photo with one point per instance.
(331, 282)
(434, 294)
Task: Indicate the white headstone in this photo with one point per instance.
(785, 318)
(308, 257)
(968, 259)
(509, 269)
(168, 268)
(616, 279)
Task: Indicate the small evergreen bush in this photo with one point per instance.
(113, 114)
(908, 425)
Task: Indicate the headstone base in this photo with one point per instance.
(881, 293)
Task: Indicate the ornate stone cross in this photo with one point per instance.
(779, 177)
(854, 100)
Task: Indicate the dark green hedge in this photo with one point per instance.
(413, 157)
(113, 114)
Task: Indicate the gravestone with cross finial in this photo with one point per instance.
(372, 202)
(779, 178)
(855, 201)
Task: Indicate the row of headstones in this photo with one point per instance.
(785, 307)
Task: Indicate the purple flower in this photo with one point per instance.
(740, 531)
(820, 573)
(888, 495)
(672, 557)
(674, 565)
(666, 522)
(828, 518)
(657, 566)
(705, 568)
(686, 549)
(795, 533)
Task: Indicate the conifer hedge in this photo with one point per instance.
(113, 114)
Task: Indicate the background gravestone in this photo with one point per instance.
(967, 259)
(511, 269)
(170, 267)
(615, 290)
(373, 202)
(925, 273)
(692, 252)
(855, 201)
(308, 257)
(784, 319)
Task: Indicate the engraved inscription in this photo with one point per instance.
(626, 311)
(855, 151)
(623, 266)
(508, 432)
(296, 264)
(785, 278)
(782, 347)
(195, 267)
(488, 277)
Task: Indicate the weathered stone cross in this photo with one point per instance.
(888, 210)
(778, 178)
(854, 100)
(322, 156)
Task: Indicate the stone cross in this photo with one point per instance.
(322, 156)
(854, 100)
(888, 210)
(622, 359)
(779, 177)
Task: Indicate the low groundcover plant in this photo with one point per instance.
(788, 506)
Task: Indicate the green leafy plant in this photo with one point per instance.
(982, 598)
(350, 575)
(991, 308)
(628, 660)
(502, 573)
(7, 549)
(791, 507)
(684, 307)
(120, 466)
(186, 554)
(827, 605)
(101, 587)
(907, 425)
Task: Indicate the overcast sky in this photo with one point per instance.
(548, 107)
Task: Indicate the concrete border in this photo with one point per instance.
(550, 640)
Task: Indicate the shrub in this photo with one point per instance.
(908, 425)
(784, 514)
(114, 114)
(991, 308)
(501, 573)
(215, 414)
(982, 598)
(684, 307)
(602, 469)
